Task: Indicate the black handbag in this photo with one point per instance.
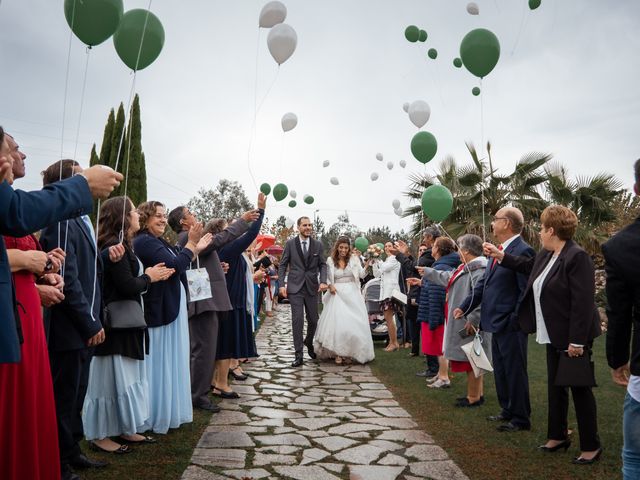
(124, 314)
(575, 371)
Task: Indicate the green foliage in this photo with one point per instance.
(228, 200)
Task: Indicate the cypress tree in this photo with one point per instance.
(115, 141)
(105, 150)
(137, 186)
(93, 159)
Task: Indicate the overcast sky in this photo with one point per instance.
(566, 83)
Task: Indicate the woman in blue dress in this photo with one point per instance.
(165, 310)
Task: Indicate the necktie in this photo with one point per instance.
(495, 260)
(304, 248)
(87, 222)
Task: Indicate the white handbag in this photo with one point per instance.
(198, 282)
(477, 357)
(398, 296)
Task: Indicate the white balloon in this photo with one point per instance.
(379, 157)
(272, 14)
(472, 8)
(282, 41)
(288, 223)
(419, 113)
(326, 163)
(293, 194)
(403, 163)
(405, 106)
(289, 121)
(334, 181)
(374, 176)
(390, 165)
(396, 204)
(398, 212)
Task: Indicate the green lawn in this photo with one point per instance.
(473, 442)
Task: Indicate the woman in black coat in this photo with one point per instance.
(117, 402)
(558, 305)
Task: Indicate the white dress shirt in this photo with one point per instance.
(542, 336)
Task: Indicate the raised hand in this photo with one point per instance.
(490, 250)
(102, 180)
(262, 201)
(204, 242)
(251, 215)
(402, 247)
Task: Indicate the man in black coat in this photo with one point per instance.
(622, 265)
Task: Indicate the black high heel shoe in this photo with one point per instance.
(236, 376)
(586, 461)
(564, 444)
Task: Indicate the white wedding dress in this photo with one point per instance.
(343, 328)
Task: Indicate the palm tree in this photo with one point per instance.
(477, 184)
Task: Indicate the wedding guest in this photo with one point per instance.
(389, 272)
(559, 306)
(343, 331)
(117, 401)
(165, 310)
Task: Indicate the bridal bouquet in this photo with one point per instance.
(373, 252)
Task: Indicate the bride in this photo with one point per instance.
(343, 329)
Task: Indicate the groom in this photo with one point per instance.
(305, 259)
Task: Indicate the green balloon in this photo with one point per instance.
(412, 33)
(433, 53)
(480, 51)
(457, 62)
(93, 21)
(424, 146)
(308, 199)
(437, 202)
(362, 243)
(533, 4)
(265, 188)
(422, 36)
(380, 245)
(128, 37)
(293, 204)
(280, 192)
(475, 91)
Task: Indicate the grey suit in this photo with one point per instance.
(204, 314)
(302, 287)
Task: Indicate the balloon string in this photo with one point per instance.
(482, 186)
(144, 31)
(522, 25)
(281, 154)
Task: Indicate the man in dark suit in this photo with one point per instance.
(305, 260)
(22, 213)
(622, 264)
(75, 324)
(500, 292)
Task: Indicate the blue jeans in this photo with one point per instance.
(631, 448)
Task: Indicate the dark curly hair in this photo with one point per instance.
(335, 255)
(113, 221)
(146, 211)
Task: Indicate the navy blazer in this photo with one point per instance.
(162, 300)
(232, 254)
(23, 213)
(622, 264)
(500, 291)
(72, 322)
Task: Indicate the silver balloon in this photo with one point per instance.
(403, 163)
(334, 181)
(396, 204)
(289, 121)
(405, 106)
(472, 8)
(390, 165)
(379, 157)
(282, 41)
(293, 193)
(419, 113)
(326, 163)
(398, 212)
(288, 223)
(374, 176)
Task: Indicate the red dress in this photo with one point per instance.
(28, 427)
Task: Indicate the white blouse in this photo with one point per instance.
(542, 336)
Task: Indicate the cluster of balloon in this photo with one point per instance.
(398, 211)
(265, 188)
(280, 192)
(379, 157)
(432, 53)
(437, 202)
(480, 51)
(533, 4)
(424, 146)
(326, 163)
(308, 199)
(413, 34)
(289, 121)
(472, 8)
(334, 181)
(272, 14)
(374, 176)
(361, 244)
(390, 165)
(282, 39)
(293, 203)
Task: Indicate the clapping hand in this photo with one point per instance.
(203, 243)
(159, 272)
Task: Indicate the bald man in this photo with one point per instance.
(500, 292)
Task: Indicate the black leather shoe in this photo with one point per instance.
(498, 418)
(238, 376)
(464, 403)
(69, 475)
(512, 427)
(564, 444)
(297, 362)
(210, 407)
(81, 462)
(584, 461)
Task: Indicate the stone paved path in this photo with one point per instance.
(317, 422)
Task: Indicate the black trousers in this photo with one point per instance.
(70, 372)
(509, 352)
(203, 337)
(414, 328)
(583, 401)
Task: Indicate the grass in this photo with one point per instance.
(166, 459)
(475, 445)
